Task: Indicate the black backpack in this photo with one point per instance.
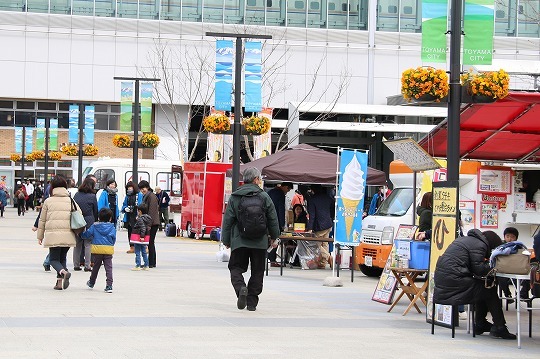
(252, 216)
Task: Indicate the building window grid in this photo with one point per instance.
(517, 22)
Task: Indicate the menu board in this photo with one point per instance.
(412, 154)
(494, 180)
(386, 287)
(489, 215)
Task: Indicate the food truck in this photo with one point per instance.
(203, 193)
(491, 197)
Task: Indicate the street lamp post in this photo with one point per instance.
(135, 142)
(237, 97)
(81, 143)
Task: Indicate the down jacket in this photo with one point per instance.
(425, 218)
(103, 235)
(54, 225)
(459, 270)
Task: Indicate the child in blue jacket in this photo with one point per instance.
(103, 235)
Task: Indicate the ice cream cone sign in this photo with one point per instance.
(353, 168)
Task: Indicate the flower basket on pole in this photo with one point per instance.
(424, 84)
(15, 157)
(90, 150)
(122, 141)
(216, 123)
(485, 87)
(149, 140)
(255, 125)
(69, 150)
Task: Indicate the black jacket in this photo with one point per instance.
(463, 259)
(424, 222)
(88, 205)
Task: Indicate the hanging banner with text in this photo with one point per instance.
(434, 24)
(253, 76)
(350, 204)
(445, 207)
(73, 134)
(89, 125)
(18, 139)
(146, 107)
(40, 134)
(224, 70)
(263, 143)
(126, 106)
(53, 141)
(478, 25)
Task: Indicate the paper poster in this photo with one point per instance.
(489, 215)
(520, 201)
(467, 209)
(494, 180)
(350, 203)
(263, 144)
(386, 287)
(214, 151)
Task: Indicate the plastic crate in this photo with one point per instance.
(419, 255)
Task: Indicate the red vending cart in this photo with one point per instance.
(203, 194)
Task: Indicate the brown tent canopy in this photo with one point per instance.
(305, 164)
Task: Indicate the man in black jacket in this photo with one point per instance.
(459, 280)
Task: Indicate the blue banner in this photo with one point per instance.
(40, 134)
(28, 141)
(53, 135)
(253, 76)
(73, 134)
(18, 139)
(350, 202)
(224, 69)
(89, 125)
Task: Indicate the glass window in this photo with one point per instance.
(101, 108)
(127, 8)
(103, 176)
(148, 9)
(192, 10)
(115, 108)
(13, 5)
(6, 118)
(6, 104)
(505, 18)
(177, 183)
(213, 11)
(108, 8)
(64, 106)
(410, 17)
(163, 181)
(101, 122)
(143, 176)
(83, 7)
(387, 18)
(26, 105)
(60, 6)
(316, 14)
(528, 18)
(358, 14)
(398, 203)
(234, 11)
(114, 122)
(25, 118)
(337, 15)
(38, 5)
(275, 12)
(47, 106)
(255, 11)
(170, 9)
(296, 13)
(63, 120)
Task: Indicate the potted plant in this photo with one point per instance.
(37, 155)
(69, 150)
(486, 86)
(256, 125)
(217, 123)
(424, 84)
(150, 140)
(55, 155)
(90, 150)
(122, 141)
(15, 157)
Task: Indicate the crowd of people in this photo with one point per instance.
(94, 246)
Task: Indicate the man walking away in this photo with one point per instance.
(249, 217)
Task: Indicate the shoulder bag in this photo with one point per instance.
(77, 221)
(518, 263)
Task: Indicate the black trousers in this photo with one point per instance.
(57, 258)
(152, 246)
(238, 265)
(130, 230)
(488, 300)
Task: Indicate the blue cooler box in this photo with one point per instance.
(419, 255)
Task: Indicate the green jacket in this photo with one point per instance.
(231, 236)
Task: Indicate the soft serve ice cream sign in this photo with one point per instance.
(352, 181)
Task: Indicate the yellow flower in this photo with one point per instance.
(150, 140)
(55, 155)
(121, 140)
(256, 125)
(421, 81)
(492, 83)
(15, 157)
(218, 123)
(90, 150)
(69, 150)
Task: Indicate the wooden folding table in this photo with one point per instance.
(410, 289)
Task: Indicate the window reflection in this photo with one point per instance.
(275, 12)
(192, 10)
(127, 8)
(17, 5)
(38, 6)
(148, 9)
(296, 13)
(528, 18)
(106, 8)
(83, 7)
(213, 11)
(170, 9)
(358, 14)
(410, 18)
(316, 13)
(387, 15)
(255, 12)
(234, 11)
(60, 6)
(337, 14)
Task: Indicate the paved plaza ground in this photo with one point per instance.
(186, 308)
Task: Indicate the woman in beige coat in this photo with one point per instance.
(54, 229)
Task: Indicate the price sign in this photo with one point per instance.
(445, 209)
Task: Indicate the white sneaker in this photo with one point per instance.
(136, 268)
(463, 316)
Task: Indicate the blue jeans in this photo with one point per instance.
(47, 261)
(140, 249)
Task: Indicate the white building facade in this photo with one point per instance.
(69, 51)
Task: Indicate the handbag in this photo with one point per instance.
(77, 222)
(517, 263)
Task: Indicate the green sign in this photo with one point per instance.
(434, 24)
(126, 106)
(478, 28)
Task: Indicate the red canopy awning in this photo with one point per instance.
(506, 130)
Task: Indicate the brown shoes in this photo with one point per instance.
(131, 250)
